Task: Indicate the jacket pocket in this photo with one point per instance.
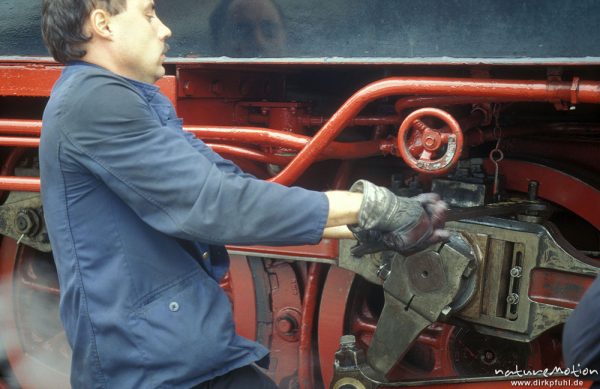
(186, 330)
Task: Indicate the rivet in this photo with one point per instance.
(205, 255)
(174, 306)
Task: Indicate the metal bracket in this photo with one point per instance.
(21, 218)
(420, 289)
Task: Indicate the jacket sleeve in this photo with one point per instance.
(173, 186)
(222, 163)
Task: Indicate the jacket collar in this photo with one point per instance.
(147, 90)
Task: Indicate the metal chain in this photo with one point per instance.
(496, 155)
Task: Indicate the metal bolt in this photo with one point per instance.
(445, 313)
(516, 272)
(27, 222)
(383, 271)
(23, 222)
(285, 325)
(489, 356)
(512, 298)
(187, 88)
(532, 190)
(347, 340)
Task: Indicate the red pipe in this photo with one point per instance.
(260, 136)
(24, 184)
(435, 101)
(268, 137)
(20, 127)
(15, 141)
(358, 121)
(574, 92)
(255, 155)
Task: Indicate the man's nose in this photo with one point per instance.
(164, 32)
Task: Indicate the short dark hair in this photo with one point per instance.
(63, 21)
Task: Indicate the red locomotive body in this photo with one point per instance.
(494, 105)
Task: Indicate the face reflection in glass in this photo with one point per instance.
(248, 28)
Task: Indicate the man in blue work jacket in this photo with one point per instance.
(138, 212)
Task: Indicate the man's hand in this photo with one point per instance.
(402, 224)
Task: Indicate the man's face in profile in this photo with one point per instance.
(253, 28)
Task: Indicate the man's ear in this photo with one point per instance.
(99, 24)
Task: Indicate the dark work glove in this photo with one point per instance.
(382, 210)
(402, 224)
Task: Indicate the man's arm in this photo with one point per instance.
(377, 217)
(343, 210)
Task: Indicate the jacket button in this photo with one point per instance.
(205, 255)
(174, 306)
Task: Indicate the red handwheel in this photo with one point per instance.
(429, 150)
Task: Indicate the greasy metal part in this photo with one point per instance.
(349, 363)
(460, 194)
(495, 209)
(510, 251)
(412, 302)
(368, 266)
(474, 354)
(21, 219)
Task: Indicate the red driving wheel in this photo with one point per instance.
(429, 150)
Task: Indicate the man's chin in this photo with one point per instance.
(159, 74)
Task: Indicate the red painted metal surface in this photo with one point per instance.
(239, 285)
(168, 86)
(37, 80)
(405, 103)
(20, 127)
(282, 139)
(309, 307)
(326, 250)
(586, 92)
(33, 80)
(254, 155)
(580, 198)
(558, 288)
(15, 141)
(332, 310)
(286, 307)
(26, 184)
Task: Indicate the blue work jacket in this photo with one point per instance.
(138, 212)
